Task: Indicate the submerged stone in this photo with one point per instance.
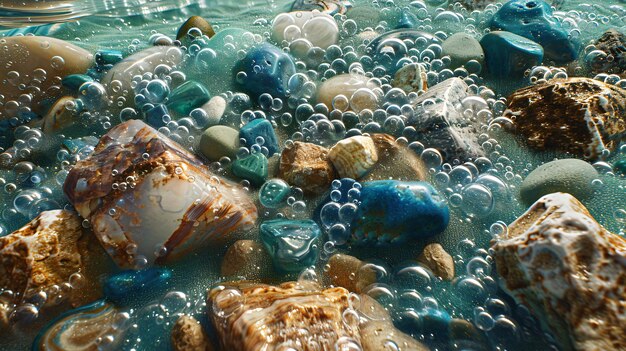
(435, 257)
(188, 335)
(307, 166)
(319, 29)
(613, 44)
(510, 55)
(274, 193)
(349, 272)
(260, 128)
(264, 69)
(171, 204)
(292, 244)
(247, 258)
(127, 284)
(219, 141)
(330, 7)
(252, 167)
(108, 57)
(356, 88)
(74, 81)
(411, 78)
(534, 20)
(60, 116)
(195, 22)
(188, 96)
(462, 48)
(562, 264)
(393, 212)
(580, 116)
(354, 157)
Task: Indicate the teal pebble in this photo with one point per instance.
(74, 81)
(188, 96)
(274, 193)
(128, 283)
(252, 167)
(570, 175)
(509, 54)
(108, 57)
(620, 167)
(291, 243)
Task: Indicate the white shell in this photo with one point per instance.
(320, 29)
(354, 157)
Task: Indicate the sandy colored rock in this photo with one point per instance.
(395, 161)
(46, 252)
(411, 78)
(581, 116)
(569, 271)
(353, 157)
(246, 258)
(26, 54)
(375, 336)
(438, 260)
(307, 166)
(356, 88)
(195, 22)
(349, 272)
(188, 335)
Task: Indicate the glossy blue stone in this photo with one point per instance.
(407, 20)
(274, 193)
(265, 69)
(123, 285)
(533, 19)
(108, 57)
(74, 81)
(292, 244)
(425, 321)
(509, 55)
(187, 96)
(262, 128)
(390, 48)
(393, 212)
(154, 116)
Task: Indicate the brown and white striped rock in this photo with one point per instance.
(42, 255)
(580, 116)
(307, 166)
(569, 270)
(354, 157)
(149, 199)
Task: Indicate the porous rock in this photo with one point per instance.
(188, 335)
(438, 260)
(307, 166)
(569, 271)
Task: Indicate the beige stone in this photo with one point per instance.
(307, 166)
(188, 335)
(411, 78)
(395, 161)
(347, 85)
(383, 336)
(246, 258)
(353, 157)
(349, 272)
(438, 260)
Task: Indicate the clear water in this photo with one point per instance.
(129, 26)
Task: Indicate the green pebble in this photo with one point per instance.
(252, 167)
(188, 96)
(462, 47)
(195, 22)
(219, 141)
(620, 167)
(274, 193)
(570, 175)
(74, 81)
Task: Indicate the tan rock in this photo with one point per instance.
(358, 89)
(246, 258)
(581, 116)
(411, 78)
(39, 64)
(383, 336)
(59, 116)
(349, 272)
(438, 260)
(188, 335)
(307, 166)
(45, 253)
(195, 22)
(353, 157)
(569, 270)
(395, 161)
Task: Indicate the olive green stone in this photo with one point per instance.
(219, 141)
(252, 167)
(195, 22)
(462, 47)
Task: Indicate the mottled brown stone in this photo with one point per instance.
(195, 22)
(395, 161)
(569, 271)
(349, 272)
(438, 260)
(580, 116)
(188, 335)
(307, 166)
(613, 43)
(246, 258)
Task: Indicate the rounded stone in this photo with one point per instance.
(188, 335)
(410, 78)
(219, 141)
(383, 336)
(357, 88)
(462, 47)
(320, 29)
(569, 175)
(438, 260)
(265, 69)
(274, 193)
(349, 272)
(195, 22)
(510, 55)
(246, 258)
(214, 109)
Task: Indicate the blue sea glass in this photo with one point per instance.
(188, 96)
(274, 193)
(130, 282)
(291, 243)
(260, 128)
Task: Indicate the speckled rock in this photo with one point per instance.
(410, 78)
(435, 257)
(188, 335)
(172, 204)
(307, 166)
(395, 161)
(580, 116)
(254, 317)
(353, 157)
(246, 258)
(45, 253)
(195, 22)
(375, 336)
(613, 44)
(569, 175)
(22, 55)
(349, 272)
(569, 271)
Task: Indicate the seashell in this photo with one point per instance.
(80, 329)
(141, 191)
(331, 7)
(354, 157)
(569, 270)
(411, 78)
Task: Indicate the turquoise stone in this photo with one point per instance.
(108, 57)
(74, 81)
(188, 96)
(291, 243)
(425, 321)
(393, 212)
(533, 19)
(252, 167)
(260, 128)
(265, 69)
(128, 283)
(509, 54)
(620, 167)
(274, 193)
(407, 20)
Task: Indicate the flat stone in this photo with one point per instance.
(246, 258)
(510, 55)
(353, 157)
(170, 207)
(411, 78)
(568, 175)
(307, 166)
(219, 141)
(22, 55)
(355, 87)
(568, 270)
(252, 167)
(462, 47)
(435, 257)
(318, 28)
(188, 335)
(580, 116)
(443, 126)
(292, 244)
(195, 22)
